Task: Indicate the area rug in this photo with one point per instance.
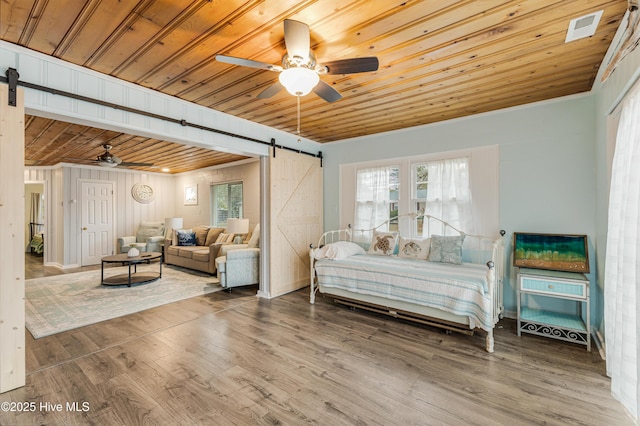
(64, 302)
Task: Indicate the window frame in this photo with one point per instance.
(213, 204)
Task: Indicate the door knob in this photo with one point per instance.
(84, 229)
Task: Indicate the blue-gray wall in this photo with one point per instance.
(546, 168)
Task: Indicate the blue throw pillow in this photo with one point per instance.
(186, 237)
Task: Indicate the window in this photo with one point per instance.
(226, 200)
(440, 184)
(377, 198)
(441, 189)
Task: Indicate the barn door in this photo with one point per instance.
(296, 202)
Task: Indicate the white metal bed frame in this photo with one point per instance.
(414, 312)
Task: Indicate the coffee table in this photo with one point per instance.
(131, 277)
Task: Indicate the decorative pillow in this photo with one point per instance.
(254, 241)
(149, 229)
(339, 250)
(225, 238)
(201, 234)
(383, 243)
(414, 248)
(446, 249)
(186, 237)
(212, 235)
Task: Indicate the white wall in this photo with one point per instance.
(246, 171)
(62, 207)
(546, 166)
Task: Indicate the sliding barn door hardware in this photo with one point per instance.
(12, 78)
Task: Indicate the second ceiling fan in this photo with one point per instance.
(299, 72)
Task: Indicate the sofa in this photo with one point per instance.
(149, 237)
(199, 254)
(196, 248)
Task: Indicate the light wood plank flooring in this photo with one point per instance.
(236, 359)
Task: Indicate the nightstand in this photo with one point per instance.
(556, 325)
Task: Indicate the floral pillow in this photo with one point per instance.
(446, 249)
(414, 248)
(383, 243)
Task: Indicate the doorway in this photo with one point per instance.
(35, 219)
(96, 217)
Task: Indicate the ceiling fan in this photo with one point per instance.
(107, 159)
(299, 72)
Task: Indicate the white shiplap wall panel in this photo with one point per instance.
(44, 70)
(62, 208)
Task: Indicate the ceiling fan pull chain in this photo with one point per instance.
(298, 117)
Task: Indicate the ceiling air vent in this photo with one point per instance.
(584, 26)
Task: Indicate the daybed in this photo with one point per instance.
(459, 293)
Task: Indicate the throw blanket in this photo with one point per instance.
(458, 289)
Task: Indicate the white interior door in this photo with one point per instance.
(97, 221)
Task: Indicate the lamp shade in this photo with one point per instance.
(299, 81)
(171, 223)
(237, 226)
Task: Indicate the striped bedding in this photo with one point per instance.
(458, 289)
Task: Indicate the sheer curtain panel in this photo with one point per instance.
(448, 193)
(622, 265)
(372, 200)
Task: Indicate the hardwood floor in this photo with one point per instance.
(232, 358)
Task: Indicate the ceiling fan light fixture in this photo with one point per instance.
(107, 164)
(299, 81)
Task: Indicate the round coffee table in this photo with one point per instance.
(131, 277)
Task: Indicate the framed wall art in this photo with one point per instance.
(191, 195)
(555, 252)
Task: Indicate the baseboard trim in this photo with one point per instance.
(510, 314)
(263, 294)
(598, 339)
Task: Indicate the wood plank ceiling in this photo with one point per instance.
(438, 59)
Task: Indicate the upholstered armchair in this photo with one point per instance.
(149, 237)
(239, 264)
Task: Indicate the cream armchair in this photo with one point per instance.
(239, 264)
(149, 237)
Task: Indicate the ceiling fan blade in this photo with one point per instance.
(296, 38)
(352, 66)
(127, 164)
(326, 92)
(248, 63)
(271, 90)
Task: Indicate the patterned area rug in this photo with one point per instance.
(64, 302)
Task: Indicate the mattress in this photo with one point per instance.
(458, 289)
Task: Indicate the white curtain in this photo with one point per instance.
(372, 200)
(622, 265)
(449, 194)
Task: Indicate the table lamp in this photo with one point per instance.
(237, 226)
